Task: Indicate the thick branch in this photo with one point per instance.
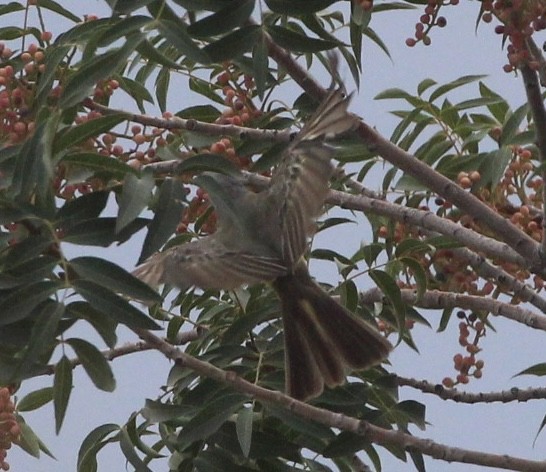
(368, 431)
(433, 299)
(506, 396)
(508, 282)
(536, 103)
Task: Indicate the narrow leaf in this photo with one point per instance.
(94, 363)
(172, 195)
(135, 196)
(108, 302)
(62, 387)
(243, 427)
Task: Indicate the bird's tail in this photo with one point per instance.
(323, 341)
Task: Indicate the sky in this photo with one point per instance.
(505, 429)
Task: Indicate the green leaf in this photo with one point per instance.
(494, 165)
(243, 427)
(10, 8)
(391, 290)
(158, 412)
(162, 88)
(209, 419)
(26, 250)
(123, 27)
(94, 363)
(42, 338)
(99, 163)
(129, 452)
(85, 207)
(29, 442)
(56, 8)
(205, 113)
(207, 163)
(511, 126)
(233, 15)
(206, 89)
(538, 369)
(172, 196)
(32, 172)
(20, 303)
(412, 411)
(135, 196)
(300, 7)
(155, 56)
(108, 302)
(443, 89)
(234, 44)
(62, 388)
(444, 320)
(102, 322)
(177, 35)
(92, 128)
(425, 85)
(34, 400)
(418, 273)
(477, 102)
(101, 231)
(260, 63)
(298, 42)
(113, 277)
(81, 83)
(93, 442)
(498, 110)
(135, 90)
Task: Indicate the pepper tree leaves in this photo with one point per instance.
(170, 203)
(106, 301)
(94, 363)
(135, 196)
(113, 277)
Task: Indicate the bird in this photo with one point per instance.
(262, 236)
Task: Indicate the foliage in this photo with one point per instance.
(75, 170)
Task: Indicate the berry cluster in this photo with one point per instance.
(467, 365)
(10, 431)
(18, 77)
(520, 19)
(428, 20)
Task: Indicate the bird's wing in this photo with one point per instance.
(208, 264)
(300, 183)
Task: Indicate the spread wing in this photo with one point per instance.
(300, 183)
(207, 263)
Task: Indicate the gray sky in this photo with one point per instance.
(509, 429)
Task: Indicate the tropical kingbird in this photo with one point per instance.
(262, 236)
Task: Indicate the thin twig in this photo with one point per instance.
(513, 395)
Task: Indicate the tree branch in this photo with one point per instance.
(505, 396)
(433, 299)
(536, 103)
(368, 431)
(125, 349)
(196, 126)
(490, 272)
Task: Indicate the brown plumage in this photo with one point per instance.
(262, 237)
